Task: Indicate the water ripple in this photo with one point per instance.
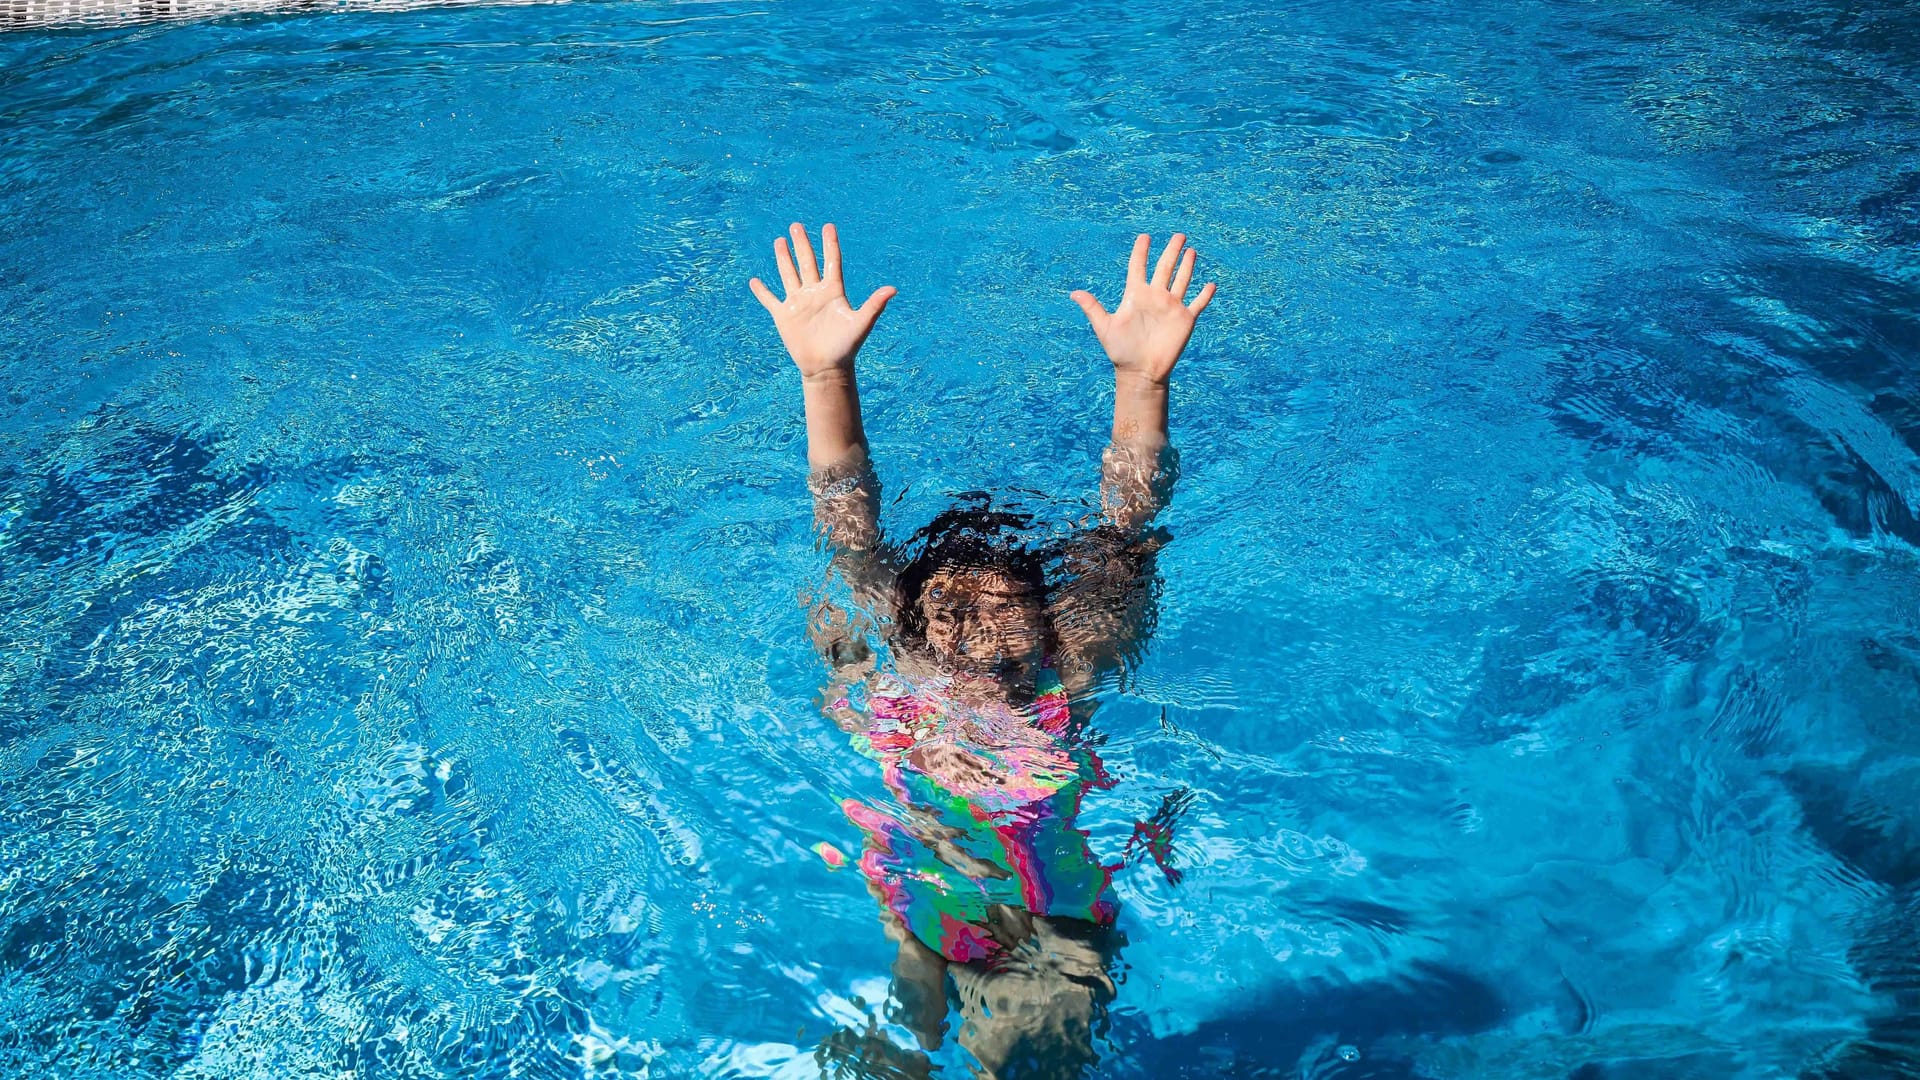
(404, 560)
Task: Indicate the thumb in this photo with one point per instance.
(763, 294)
(1096, 314)
(877, 303)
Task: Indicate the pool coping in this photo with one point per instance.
(56, 14)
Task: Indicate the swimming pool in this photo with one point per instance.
(404, 539)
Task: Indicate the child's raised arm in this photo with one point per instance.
(822, 332)
(1143, 336)
(1103, 608)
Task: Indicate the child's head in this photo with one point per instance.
(975, 596)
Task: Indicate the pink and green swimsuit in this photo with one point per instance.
(1000, 784)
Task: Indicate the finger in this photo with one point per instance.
(1200, 302)
(1096, 314)
(830, 250)
(1163, 271)
(877, 303)
(1137, 266)
(803, 251)
(789, 277)
(1185, 276)
(767, 299)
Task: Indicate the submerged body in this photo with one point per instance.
(985, 800)
(979, 729)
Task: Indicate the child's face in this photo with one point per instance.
(984, 622)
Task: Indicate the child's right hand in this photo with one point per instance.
(821, 331)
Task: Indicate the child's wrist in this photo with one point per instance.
(1137, 381)
(833, 376)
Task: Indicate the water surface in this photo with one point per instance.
(403, 538)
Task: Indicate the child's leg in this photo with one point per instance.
(919, 988)
(919, 984)
(920, 992)
(1033, 1013)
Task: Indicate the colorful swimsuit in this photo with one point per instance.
(993, 787)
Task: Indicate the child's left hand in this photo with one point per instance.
(1145, 334)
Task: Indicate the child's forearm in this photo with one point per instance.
(1136, 472)
(1139, 412)
(835, 437)
(846, 497)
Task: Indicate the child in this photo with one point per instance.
(979, 726)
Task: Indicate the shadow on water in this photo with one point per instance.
(1866, 818)
(1324, 1030)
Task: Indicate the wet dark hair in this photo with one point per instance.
(974, 537)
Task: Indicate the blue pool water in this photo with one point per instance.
(404, 542)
